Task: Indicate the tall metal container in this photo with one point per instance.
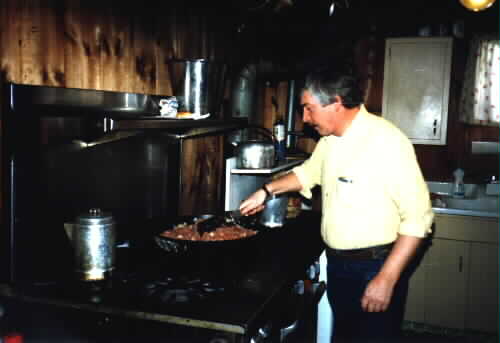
(94, 240)
(198, 85)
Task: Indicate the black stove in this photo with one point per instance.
(240, 297)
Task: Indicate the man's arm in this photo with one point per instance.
(255, 202)
(378, 293)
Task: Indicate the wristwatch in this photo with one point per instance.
(268, 193)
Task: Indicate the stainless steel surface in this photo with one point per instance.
(286, 164)
(94, 241)
(179, 128)
(274, 213)
(198, 85)
(291, 140)
(75, 99)
(255, 154)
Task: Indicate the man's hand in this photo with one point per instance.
(377, 294)
(254, 203)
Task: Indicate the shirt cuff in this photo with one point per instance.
(418, 228)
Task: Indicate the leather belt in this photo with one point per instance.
(371, 253)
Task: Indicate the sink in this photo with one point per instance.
(475, 203)
(486, 204)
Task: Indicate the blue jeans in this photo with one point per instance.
(346, 283)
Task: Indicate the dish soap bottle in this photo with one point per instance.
(458, 190)
(279, 138)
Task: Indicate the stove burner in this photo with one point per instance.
(172, 291)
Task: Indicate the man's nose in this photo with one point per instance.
(306, 117)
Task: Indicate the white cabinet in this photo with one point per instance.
(445, 286)
(482, 288)
(416, 87)
(456, 283)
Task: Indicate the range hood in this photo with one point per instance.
(119, 110)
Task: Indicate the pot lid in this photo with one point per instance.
(95, 216)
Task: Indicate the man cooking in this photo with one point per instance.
(376, 207)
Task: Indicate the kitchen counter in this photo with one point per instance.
(461, 212)
(281, 257)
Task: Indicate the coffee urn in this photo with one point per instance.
(94, 245)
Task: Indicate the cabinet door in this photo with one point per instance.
(445, 283)
(482, 294)
(415, 302)
(416, 87)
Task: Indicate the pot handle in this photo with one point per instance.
(264, 131)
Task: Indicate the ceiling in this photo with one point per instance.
(291, 30)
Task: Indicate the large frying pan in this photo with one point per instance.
(179, 246)
(213, 259)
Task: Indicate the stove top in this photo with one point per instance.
(232, 297)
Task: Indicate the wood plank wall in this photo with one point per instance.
(105, 45)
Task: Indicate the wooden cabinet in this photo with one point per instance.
(416, 87)
(455, 285)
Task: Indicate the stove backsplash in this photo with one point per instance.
(56, 166)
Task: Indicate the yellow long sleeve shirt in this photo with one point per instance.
(372, 186)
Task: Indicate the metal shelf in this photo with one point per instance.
(288, 163)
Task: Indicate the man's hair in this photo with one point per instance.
(326, 84)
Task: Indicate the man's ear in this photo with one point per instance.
(339, 100)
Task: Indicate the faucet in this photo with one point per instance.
(458, 190)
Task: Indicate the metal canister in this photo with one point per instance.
(94, 245)
(274, 213)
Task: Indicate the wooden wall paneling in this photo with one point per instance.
(201, 175)
(164, 48)
(75, 60)
(52, 36)
(174, 18)
(93, 24)
(192, 35)
(31, 43)
(204, 37)
(116, 56)
(214, 39)
(282, 98)
(268, 112)
(181, 32)
(10, 47)
(143, 46)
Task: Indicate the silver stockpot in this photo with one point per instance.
(255, 154)
(93, 236)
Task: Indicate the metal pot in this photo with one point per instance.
(198, 84)
(274, 213)
(93, 237)
(255, 154)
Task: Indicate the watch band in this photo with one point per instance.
(268, 194)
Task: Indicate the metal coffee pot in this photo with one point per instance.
(275, 210)
(93, 236)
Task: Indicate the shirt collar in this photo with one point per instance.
(356, 125)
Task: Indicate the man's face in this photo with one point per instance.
(321, 118)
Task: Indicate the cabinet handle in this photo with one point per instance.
(460, 264)
(434, 127)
